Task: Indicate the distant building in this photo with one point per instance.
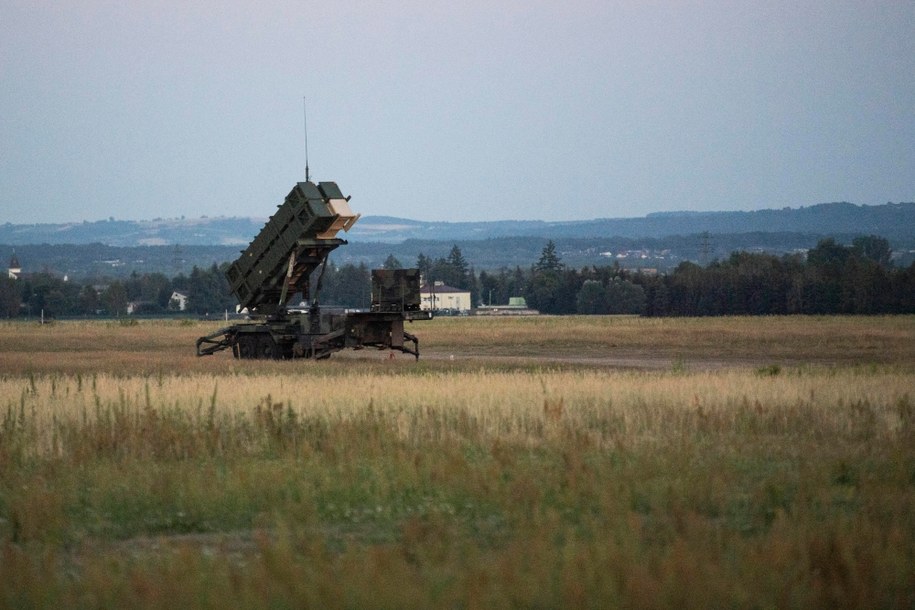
(143, 307)
(517, 306)
(15, 268)
(444, 298)
(178, 301)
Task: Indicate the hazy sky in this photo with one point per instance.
(472, 110)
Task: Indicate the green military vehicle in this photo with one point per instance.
(281, 262)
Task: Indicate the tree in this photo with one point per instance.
(459, 269)
(457, 261)
(873, 248)
(10, 300)
(866, 287)
(516, 282)
(545, 289)
(152, 289)
(624, 297)
(348, 286)
(115, 298)
(904, 290)
(50, 294)
(89, 302)
(155, 288)
(391, 262)
(549, 260)
(208, 290)
(755, 284)
(133, 286)
(684, 287)
(592, 298)
(542, 291)
(828, 254)
(453, 270)
(826, 263)
(657, 301)
(489, 288)
(569, 285)
(424, 264)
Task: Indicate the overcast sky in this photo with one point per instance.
(471, 110)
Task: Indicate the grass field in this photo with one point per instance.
(539, 462)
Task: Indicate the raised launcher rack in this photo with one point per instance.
(279, 263)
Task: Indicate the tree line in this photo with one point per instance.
(47, 294)
(831, 279)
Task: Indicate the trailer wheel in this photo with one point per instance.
(267, 348)
(247, 347)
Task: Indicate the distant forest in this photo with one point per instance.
(98, 263)
(859, 278)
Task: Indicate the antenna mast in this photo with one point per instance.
(305, 117)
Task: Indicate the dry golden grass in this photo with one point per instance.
(616, 341)
(507, 406)
(742, 339)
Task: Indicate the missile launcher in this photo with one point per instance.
(282, 261)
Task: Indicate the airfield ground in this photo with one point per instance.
(535, 462)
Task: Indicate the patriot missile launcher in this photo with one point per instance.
(282, 261)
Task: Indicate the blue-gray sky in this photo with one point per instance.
(474, 110)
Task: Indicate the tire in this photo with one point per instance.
(247, 347)
(267, 348)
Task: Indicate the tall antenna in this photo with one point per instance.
(305, 116)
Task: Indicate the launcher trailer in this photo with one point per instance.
(280, 263)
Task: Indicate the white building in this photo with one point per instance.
(178, 301)
(442, 297)
(517, 306)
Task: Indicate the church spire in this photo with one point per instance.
(15, 268)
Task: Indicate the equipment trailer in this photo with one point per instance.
(279, 263)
